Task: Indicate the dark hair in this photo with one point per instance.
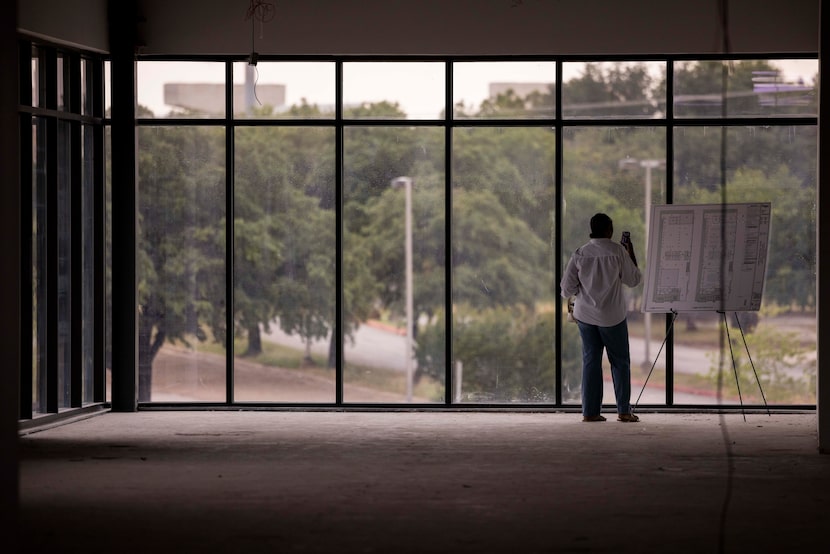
(600, 225)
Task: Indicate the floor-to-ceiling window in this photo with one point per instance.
(391, 231)
(62, 184)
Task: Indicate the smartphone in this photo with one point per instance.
(626, 238)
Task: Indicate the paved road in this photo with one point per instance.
(374, 345)
(377, 346)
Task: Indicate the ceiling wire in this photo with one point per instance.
(261, 11)
(258, 10)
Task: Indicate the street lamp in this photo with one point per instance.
(648, 164)
(406, 183)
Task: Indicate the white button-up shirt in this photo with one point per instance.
(596, 273)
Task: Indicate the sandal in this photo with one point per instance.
(593, 418)
(628, 418)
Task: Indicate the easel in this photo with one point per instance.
(731, 353)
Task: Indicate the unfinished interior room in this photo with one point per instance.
(491, 276)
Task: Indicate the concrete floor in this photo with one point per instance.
(422, 482)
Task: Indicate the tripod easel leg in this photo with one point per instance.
(751, 363)
(734, 366)
(671, 326)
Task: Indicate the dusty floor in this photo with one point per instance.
(420, 482)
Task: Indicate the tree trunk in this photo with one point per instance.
(147, 350)
(332, 363)
(145, 378)
(307, 359)
(254, 341)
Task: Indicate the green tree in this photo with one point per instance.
(515, 164)
(778, 369)
(497, 260)
(373, 218)
(618, 89)
(506, 354)
(701, 86)
(306, 283)
(181, 239)
(284, 263)
(758, 169)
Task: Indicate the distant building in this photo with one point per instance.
(520, 89)
(209, 98)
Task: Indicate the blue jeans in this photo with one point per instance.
(614, 340)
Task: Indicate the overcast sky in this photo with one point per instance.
(417, 86)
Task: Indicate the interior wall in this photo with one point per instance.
(77, 23)
(439, 27)
(477, 27)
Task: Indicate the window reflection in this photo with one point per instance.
(746, 88)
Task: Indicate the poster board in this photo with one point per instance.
(707, 257)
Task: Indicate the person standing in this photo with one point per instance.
(595, 275)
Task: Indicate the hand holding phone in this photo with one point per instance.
(626, 242)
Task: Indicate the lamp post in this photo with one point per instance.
(648, 165)
(406, 183)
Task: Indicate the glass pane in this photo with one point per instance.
(107, 88)
(393, 264)
(763, 164)
(88, 260)
(518, 90)
(607, 90)
(181, 264)
(394, 90)
(108, 258)
(87, 86)
(63, 82)
(284, 264)
(64, 265)
(503, 197)
(39, 252)
(619, 171)
(750, 88)
(36, 67)
(181, 89)
(285, 90)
